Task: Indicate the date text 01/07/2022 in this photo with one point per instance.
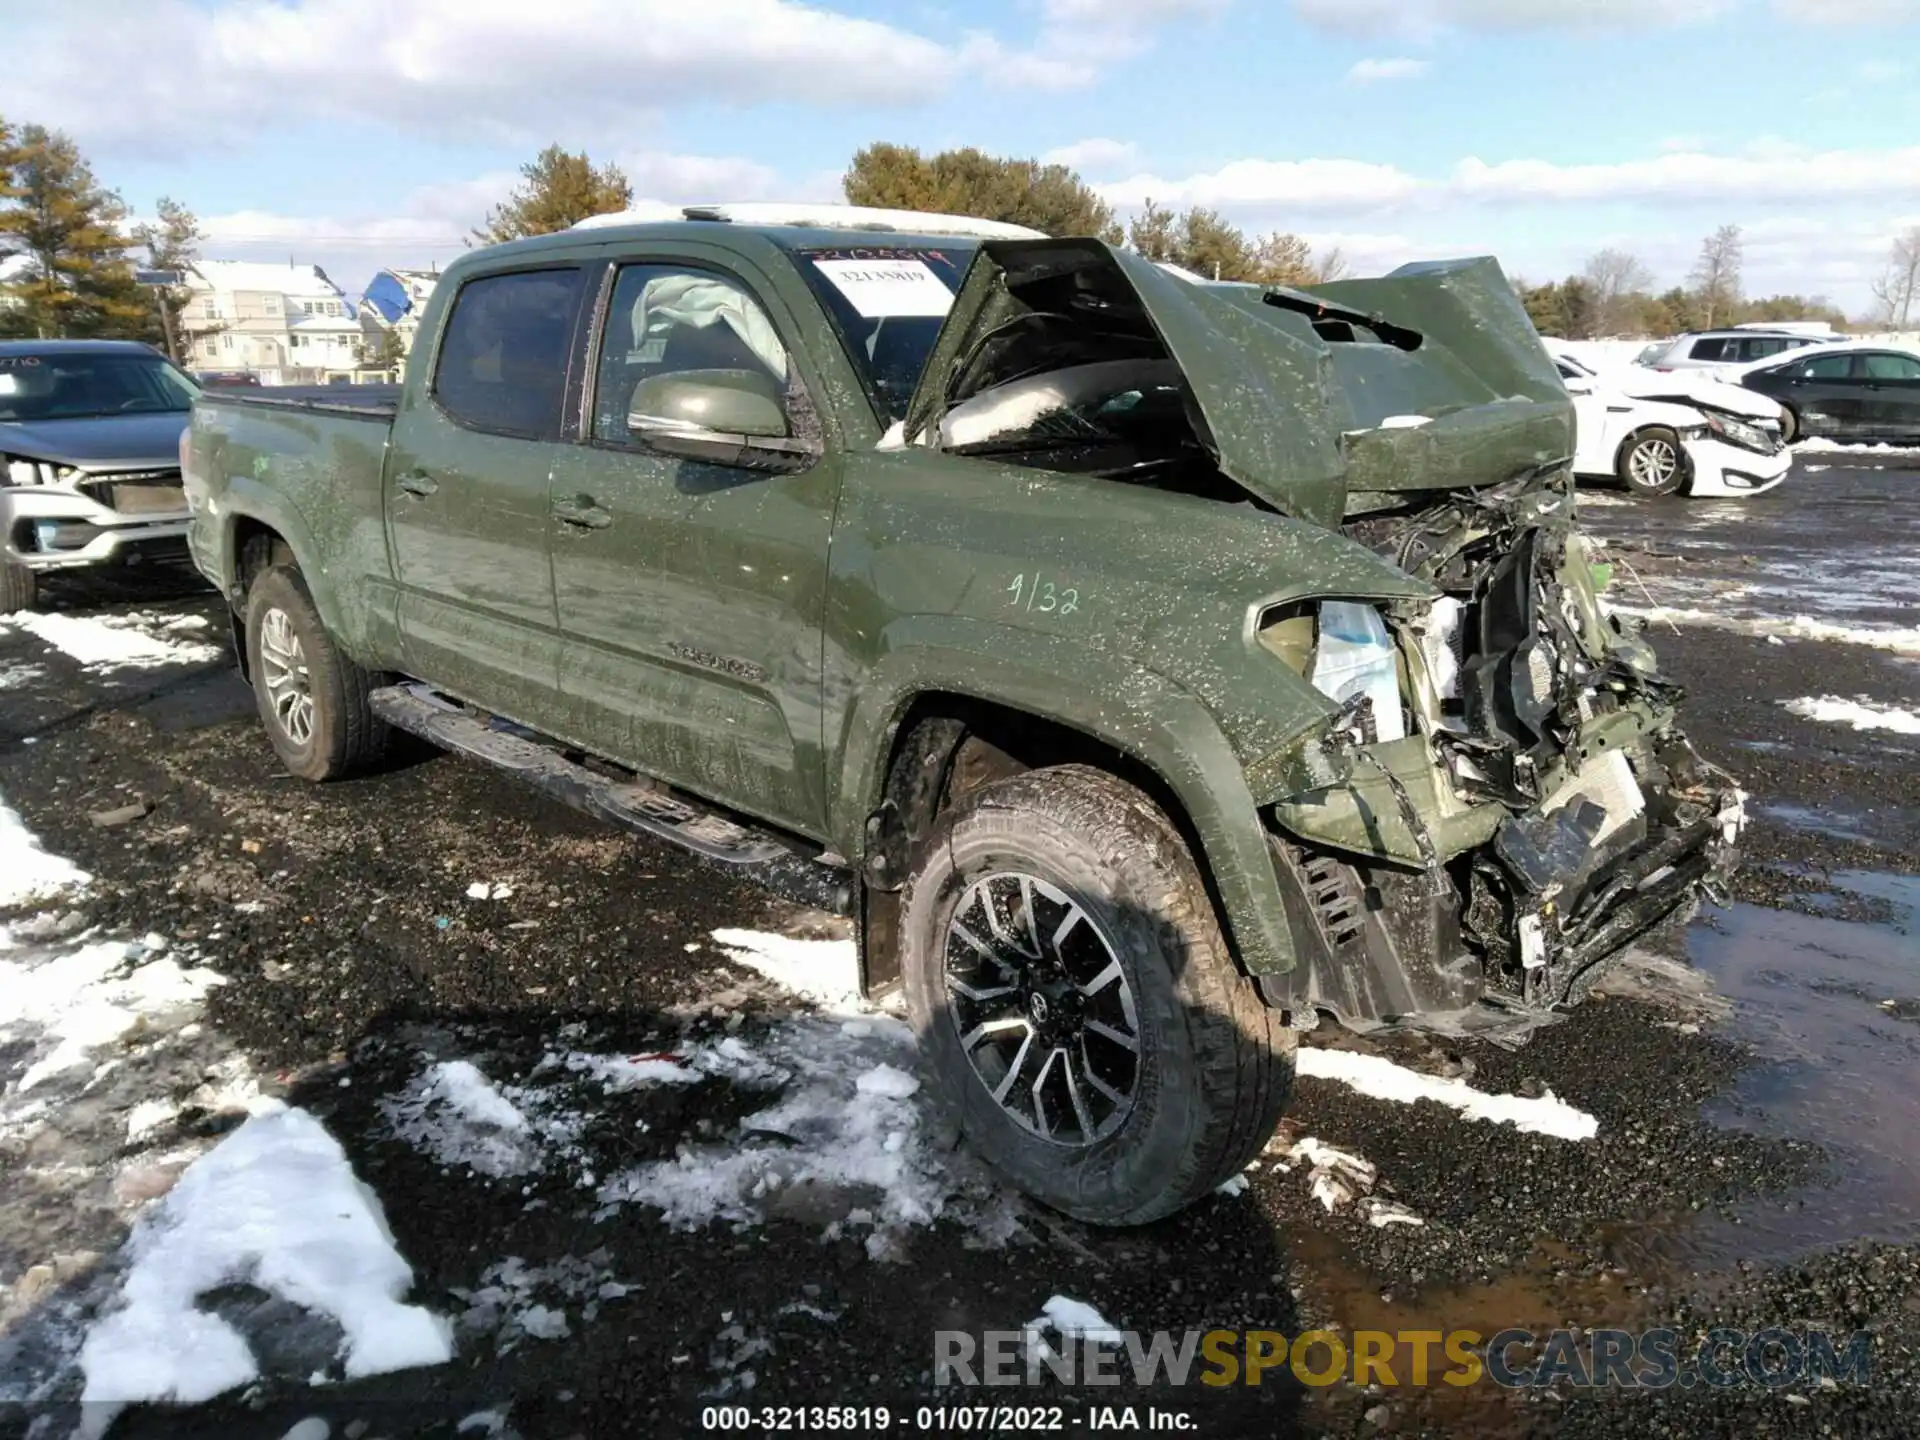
(940, 1419)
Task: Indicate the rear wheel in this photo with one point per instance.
(19, 588)
(1652, 462)
(312, 698)
(1089, 1032)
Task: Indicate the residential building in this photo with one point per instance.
(288, 324)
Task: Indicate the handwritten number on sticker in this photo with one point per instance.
(1043, 595)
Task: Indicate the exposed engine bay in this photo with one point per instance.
(1574, 815)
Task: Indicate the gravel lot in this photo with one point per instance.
(637, 1174)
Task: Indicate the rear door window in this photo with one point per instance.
(502, 366)
(1716, 349)
(1892, 367)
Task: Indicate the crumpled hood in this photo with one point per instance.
(1690, 388)
(1320, 404)
(106, 442)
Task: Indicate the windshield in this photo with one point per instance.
(888, 303)
(75, 385)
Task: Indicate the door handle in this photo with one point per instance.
(580, 511)
(417, 482)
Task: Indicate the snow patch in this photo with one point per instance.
(1382, 1079)
(453, 1113)
(826, 972)
(274, 1205)
(1075, 1320)
(27, 872)
(1900, 640)
(1820, 445)
(1861, 713)
(846, 1138)
(140, 641)
(485, 890)
(90, 997)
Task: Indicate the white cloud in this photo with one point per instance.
(499, 69)
(1881, 72)
(1673, 143)
(434, 224)
(1768, 172)
(1424, 19)
(1366, 72)
(1848, 12)
(1096, 154)
(1305, 184)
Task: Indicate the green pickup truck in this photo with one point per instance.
(1149, 667)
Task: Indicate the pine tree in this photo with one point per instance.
(1200, 240)
(55, 212)
(1050, 198)
(172, 240)
(561, 189)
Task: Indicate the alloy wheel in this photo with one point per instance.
(1654, 463)
(1044, 1010)
(283, 667)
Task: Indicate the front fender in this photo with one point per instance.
(1136, 711)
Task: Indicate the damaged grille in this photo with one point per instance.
(138, 492)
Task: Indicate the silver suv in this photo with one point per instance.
(1738, 345)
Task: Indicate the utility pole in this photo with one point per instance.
(159, 281)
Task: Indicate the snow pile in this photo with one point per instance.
(1381, 1078)
(274, 1205)
(1861, 713)
(453, 1113)
(141, 641)
(90, 997)
(1899, 639)
(827, 972)
(28, 873)
(846, 1135)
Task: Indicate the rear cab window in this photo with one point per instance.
(888, 303)
(502, 364)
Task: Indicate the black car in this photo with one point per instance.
(1862, 393)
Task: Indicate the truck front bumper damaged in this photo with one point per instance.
(1541, 813)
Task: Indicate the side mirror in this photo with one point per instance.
(724, 417)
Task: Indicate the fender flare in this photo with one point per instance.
(1057, 678)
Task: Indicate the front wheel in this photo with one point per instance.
(312, 698)
(1789, 425)
(1652, 462)
(1088, 1030)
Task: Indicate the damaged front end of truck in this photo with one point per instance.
(1488, 796)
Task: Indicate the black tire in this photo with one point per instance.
(1214, 1065)
(19, 588)
(1652, 462)
(342, 736)
(1789, 425)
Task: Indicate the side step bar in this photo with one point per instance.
(733, 847)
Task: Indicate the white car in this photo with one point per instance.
(1661, 434)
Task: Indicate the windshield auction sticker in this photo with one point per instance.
(878, 289)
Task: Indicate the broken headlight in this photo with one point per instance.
(1354, 659)
(1739, 432)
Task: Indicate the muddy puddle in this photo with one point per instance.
(1833, 1008)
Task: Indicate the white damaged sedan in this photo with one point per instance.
(1669, 434)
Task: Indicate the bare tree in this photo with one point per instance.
(1618, 279)
(1716, 276)
(1899, 285)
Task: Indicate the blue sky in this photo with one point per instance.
(358, 133)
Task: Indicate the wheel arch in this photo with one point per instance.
(899, 774)
(1639, 432)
